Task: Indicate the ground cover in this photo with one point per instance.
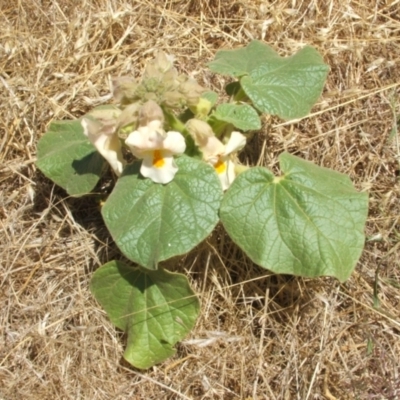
(260, 336)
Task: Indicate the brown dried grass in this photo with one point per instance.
(270, 337)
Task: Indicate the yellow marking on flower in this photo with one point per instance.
(158, 160)
(220, 167)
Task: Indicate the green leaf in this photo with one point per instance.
(152, 222)
(242, 61)
(283, 86)
(156, 309)
(308, 222)
(242, 116)
(67, 157)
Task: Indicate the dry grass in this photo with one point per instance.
(270, 337)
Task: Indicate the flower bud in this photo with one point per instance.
(199, 130)
(173, 99)
(128, 118)
(192, 91)
(124, 89)
(161, 64)
(202, 108)
(150, 111)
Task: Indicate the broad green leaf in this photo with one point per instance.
(242, 61)
(308, 222)
(287, 87)
(152, 222)
(67, 157)
(156, 309)
(283, 86)
(242, 116)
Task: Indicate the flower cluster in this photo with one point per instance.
(141, 117)
(148, 142)
(161, 83)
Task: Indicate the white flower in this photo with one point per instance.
(221, 156)
(157, 148)
(103, 136)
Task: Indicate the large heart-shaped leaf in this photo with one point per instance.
(243, 60)
(151, 222)
(308, 222)
(242, 116)
(66, 156)
(284, 86)
(156, 309)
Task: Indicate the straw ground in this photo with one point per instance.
(263, 336)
